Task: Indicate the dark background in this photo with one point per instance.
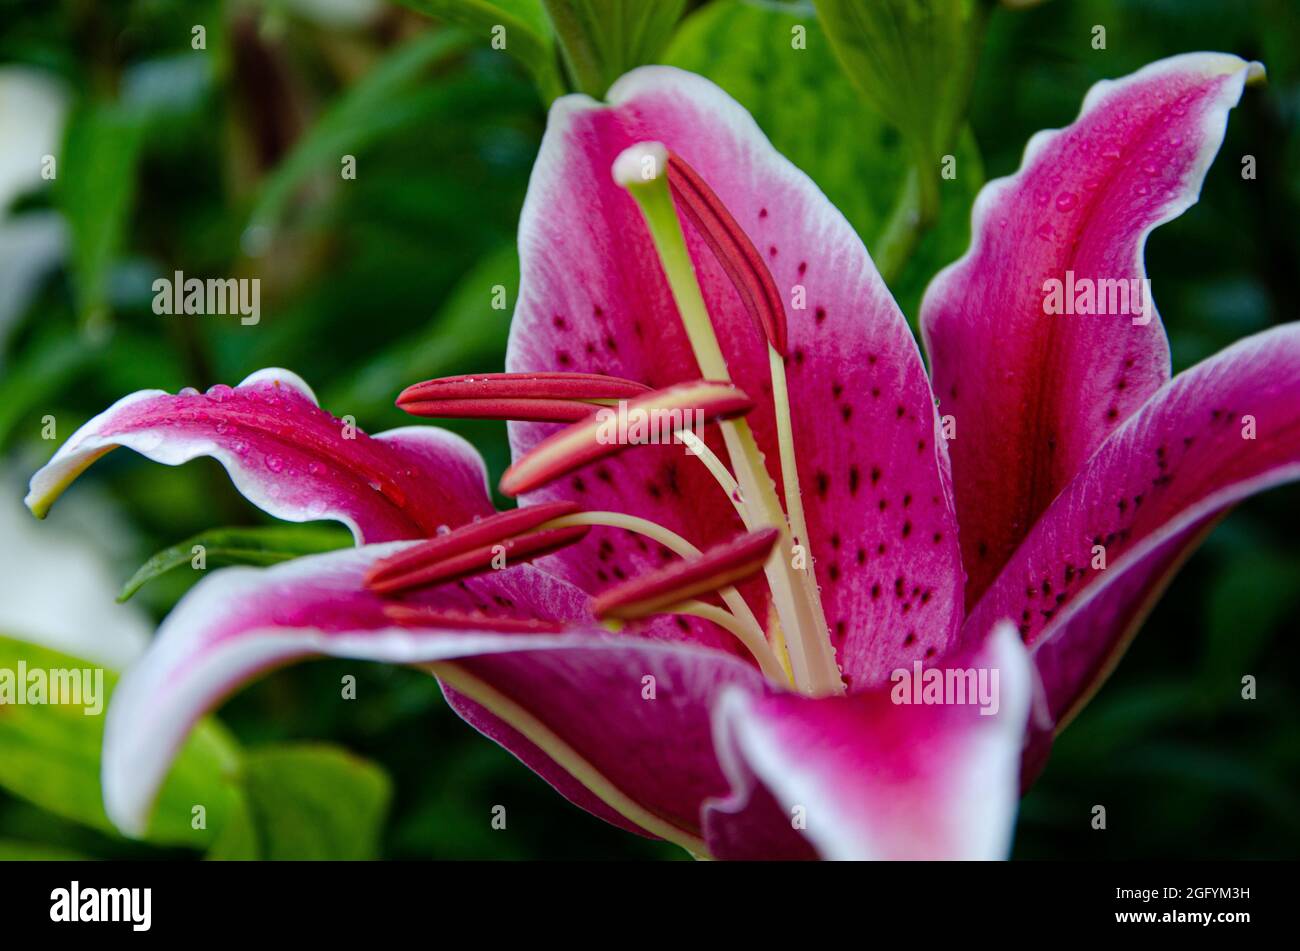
(225, 162)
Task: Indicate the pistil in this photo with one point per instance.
(643, 171)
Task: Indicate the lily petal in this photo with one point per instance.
(1225, 429)
(288, 457)
(535, 693)
(864, 777)
(593, 297)
(1034, 392)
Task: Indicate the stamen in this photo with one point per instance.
(670, 540)
(533, 397)
(590, 439)
(643, 171)
(414, 615)
(785, 449)
(751, 637)
(753, 281)
(474, 548)
(732, 248)
(717, 567)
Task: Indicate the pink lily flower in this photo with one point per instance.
(724, 647)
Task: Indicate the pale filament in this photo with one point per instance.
(740, 613)
(751, 638)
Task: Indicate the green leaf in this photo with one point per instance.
(39, 373)
(95, 190)
(466, 331)
(264, 545)
(309, 801)
(50, 756)
(1249, 602)
(913, 60)
(527, 36)
(372, 107)
(814, 117)
(603, 39)
(12, 850)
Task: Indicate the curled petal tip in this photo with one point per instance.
(718, 567)
(659, 414)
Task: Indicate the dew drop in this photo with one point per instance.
(1066, 200)
(220, 392)
(274, 463)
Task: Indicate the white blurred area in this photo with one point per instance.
(57, 580)
(33, 108)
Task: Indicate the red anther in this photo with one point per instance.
(718, 567)
(471, 548)
(534, 397)
(733, 249)
(585, 441)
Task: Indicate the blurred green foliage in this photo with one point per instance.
(226, 160)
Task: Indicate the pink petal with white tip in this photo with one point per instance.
(288, 457)
(865, 777)
(1034, 392)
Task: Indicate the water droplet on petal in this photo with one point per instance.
(1045, 231)
(443, 530)
(274, 463)
(188, 391)
(1066, 200)
(220, 392)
